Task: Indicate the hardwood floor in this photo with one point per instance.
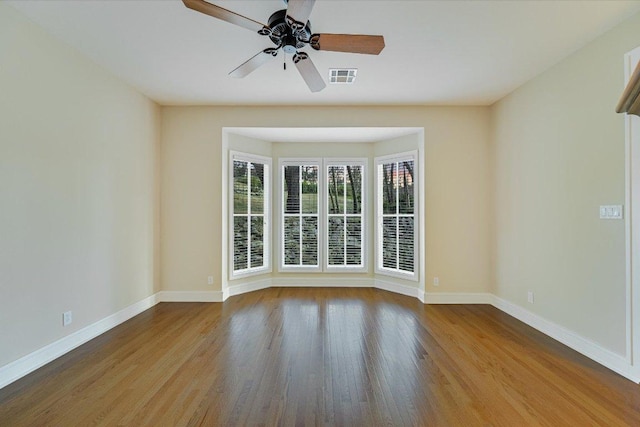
(307, 357)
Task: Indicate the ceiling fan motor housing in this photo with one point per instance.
(283, 35)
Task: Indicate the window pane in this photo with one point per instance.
(406, 236)
(240, 239)
(257, 241)
(388, 180)
(250, 183)
(354, 189)
(240, 190)
(405, 187)
(291, 189)
(335, 175)
(257, 188)
(309, 241)
(292, 241)
(389, 249)
(354, 241)
(309, 189)
(336, 241)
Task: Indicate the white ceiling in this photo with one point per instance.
(437, 52)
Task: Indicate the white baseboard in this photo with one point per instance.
(321, 282)
(397, 288)
(421, 296)
(254, 285)
(457, 298)
(190, 296)
(32, 361)
(596, 352)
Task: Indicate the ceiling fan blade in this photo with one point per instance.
(309, 72)
(253, 63)
(353, 43)
(299, 11)
(226, 15)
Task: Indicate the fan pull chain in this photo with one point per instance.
(285, 61)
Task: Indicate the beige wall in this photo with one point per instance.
(456, 165)
(78, 190)
(557, 154)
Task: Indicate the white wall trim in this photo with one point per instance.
(632, 224)
(592, 350)
(32, 361)
(190, 296)
(321, 282)
(254, 285)
(457, 298)
(410, 291)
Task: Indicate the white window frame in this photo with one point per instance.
(266, 268)
(379, 268)
(282, 163)
(362, 162)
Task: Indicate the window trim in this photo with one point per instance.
(364, 252)
(267, 267)
(379, 268)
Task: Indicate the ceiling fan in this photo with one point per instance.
(290, 30)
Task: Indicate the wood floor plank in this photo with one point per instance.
(321, 357)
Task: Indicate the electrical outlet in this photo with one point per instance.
(530, 297)
(436, 281)
(210, 280)
(67, 318)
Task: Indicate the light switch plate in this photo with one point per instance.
(611, 211)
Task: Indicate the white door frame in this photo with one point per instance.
(632, 225)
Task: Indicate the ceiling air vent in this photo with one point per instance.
(342, 76)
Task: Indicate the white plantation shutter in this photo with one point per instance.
(396, 248)
(344, 240)
(309, 240)
(405, 243)
(250, 213)
(256, 239)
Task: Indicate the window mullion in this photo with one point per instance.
(249, 240)
(344, 239)
(344, 215)
(300, 214)
(397, 189)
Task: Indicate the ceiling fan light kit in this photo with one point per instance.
(290, 30)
